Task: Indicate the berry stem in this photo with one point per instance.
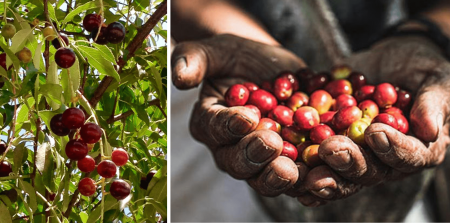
(49, 206)
(14, 176)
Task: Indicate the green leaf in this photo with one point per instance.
(37, 58)
(106, 52)
(19, 40)
(25, 186)
(5, 97)
(74, 81)
(78, 10)
(5, 217)
(53, 93)
(43, 156)
(96, 59)
(110, 202)
(10, 57)
(22, 116)
(159, 206)
(51, 12)
(20, 156)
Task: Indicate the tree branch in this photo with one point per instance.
(131, 48)
(130, 112)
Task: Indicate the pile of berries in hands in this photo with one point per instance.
(112, 33)
(87, 134)
(307, 108)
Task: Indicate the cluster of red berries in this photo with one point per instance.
(5, 166)
(79, 147)
(308, 107)
(112, 33)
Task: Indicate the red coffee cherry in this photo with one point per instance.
(65, 57)
(76, 149)
(385, 95)
(306, 117)
(57, 126)
(91, 22)
(282, 115)
(237, 95)
(90, 133)
(120, 189)
(73, 118)
(282, 88)
(320, 133)
(387, 119)
(263, 100)
(119, 156)
(86, 165)
(345, 117)
(289, 151)
(106, 169)
(87, 186)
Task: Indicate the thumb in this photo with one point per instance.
(228, 55)
(430, 109)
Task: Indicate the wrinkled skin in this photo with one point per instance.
(412, 62)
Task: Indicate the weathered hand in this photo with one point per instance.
(415, 64)
(229, 133)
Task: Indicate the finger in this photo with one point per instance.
(402, 152)
(310, 200)
(253, 153)
(299, 188)
(228, 55)
(217, 125)
(429, 110)
(280, 175)
(324, 183)
(351, 162)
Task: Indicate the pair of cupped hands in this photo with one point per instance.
(413, 63)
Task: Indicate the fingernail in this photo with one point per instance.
(180, 64)
(275, 182)
(324, 192)
(379, 142)
(341, 160)
(258, 152)
(239, 125)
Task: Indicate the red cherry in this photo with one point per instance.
(326, 117)
(393, 110)
(251, 86)
(90, 133)
(303, 75)
(87, 186)
(65, 57)
(236, 95)
(115, 32)
(293, 135)
(289, 151)
(345, 117)
(3, 147)
(120, 189)
(293, 79)
(86, 165)
(403, 125)
(76, 149)
(306, 117)
(57, 44)
(357, 80)
(91, 22)
(119, 156)
(282, 88)
(320, 133)
(321, 101)
(263, 100)
(102, 36)
(5, 168)
(255, 110)
(318, 81)
(300, 148)
(146, 180)
(364, 93)
(282, 115)
(387, 119)
(344, 100)
(385, 95)
(369, 108)
(107, 168)
(403, 99)
(73, 118)
(338, 87)
(297, 100)
(267, 123)
(57, 126)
